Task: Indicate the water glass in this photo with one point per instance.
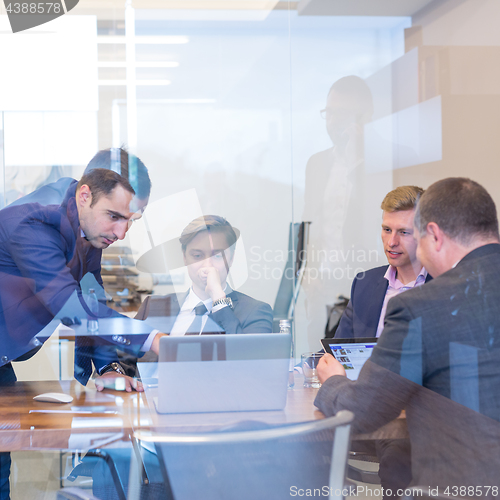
(310, 362)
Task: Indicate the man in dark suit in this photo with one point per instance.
(45, 254)
(438, 354)
(210, 305)
(371, 290)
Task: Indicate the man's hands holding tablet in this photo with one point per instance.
(328, 366)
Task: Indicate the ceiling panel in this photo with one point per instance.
(360, 7)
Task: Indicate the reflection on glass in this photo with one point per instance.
(236, 126)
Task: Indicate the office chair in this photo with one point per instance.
(291, 279)
(74, 494)
(269, 462)
(226, 462)
(363, 475)
(110, 469)
(246, 461)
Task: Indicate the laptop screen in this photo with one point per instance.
(350, 353)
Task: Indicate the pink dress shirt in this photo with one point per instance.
(396, 287)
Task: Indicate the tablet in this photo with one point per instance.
(351, 353)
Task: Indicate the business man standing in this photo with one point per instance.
(45, 251)
(437, 356)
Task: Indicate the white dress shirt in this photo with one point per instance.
(186, 315)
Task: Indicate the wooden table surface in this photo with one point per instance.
(106, 419)
(98, 419)
(93, 419)
(299, 408)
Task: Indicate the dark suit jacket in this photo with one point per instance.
(438, 357)
(247, 316)
(362, 314)
(43, 258)
(318, 205)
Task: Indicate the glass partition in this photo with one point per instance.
(263, 113)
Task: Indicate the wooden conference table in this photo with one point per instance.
(107, 419)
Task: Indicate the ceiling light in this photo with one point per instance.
(141, 64)
(156, 40)
(144, 83)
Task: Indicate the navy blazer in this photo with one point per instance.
(362, 314)
(247, 316)
(43, 258)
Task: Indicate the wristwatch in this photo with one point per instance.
(225, 301)
(112, 367)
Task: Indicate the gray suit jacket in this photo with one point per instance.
(438, 358)
(247, 316)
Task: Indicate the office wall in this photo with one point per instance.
(458, 51)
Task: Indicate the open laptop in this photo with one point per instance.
(220, 373)
(351, 353)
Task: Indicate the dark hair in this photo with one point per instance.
(125, 164)
(401, 198)
(101, 182)
(462, 209)
(356, 87)
(207, 223)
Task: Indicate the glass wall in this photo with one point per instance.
(266, 113)
(223, 106)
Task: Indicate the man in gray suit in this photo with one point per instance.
(438, 355)
(210, 305)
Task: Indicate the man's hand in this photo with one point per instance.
(210, 276)
(155, 345)
(329, 366)
(117, 381)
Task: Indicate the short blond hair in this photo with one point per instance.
(402, 198)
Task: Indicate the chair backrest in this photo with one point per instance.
(269, 462)
(292, 273)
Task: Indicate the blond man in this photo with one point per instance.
(371, 290)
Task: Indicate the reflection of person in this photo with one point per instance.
(337, 202)
(371, 290)
(437, 356)
(208, 245)
(117, 159)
